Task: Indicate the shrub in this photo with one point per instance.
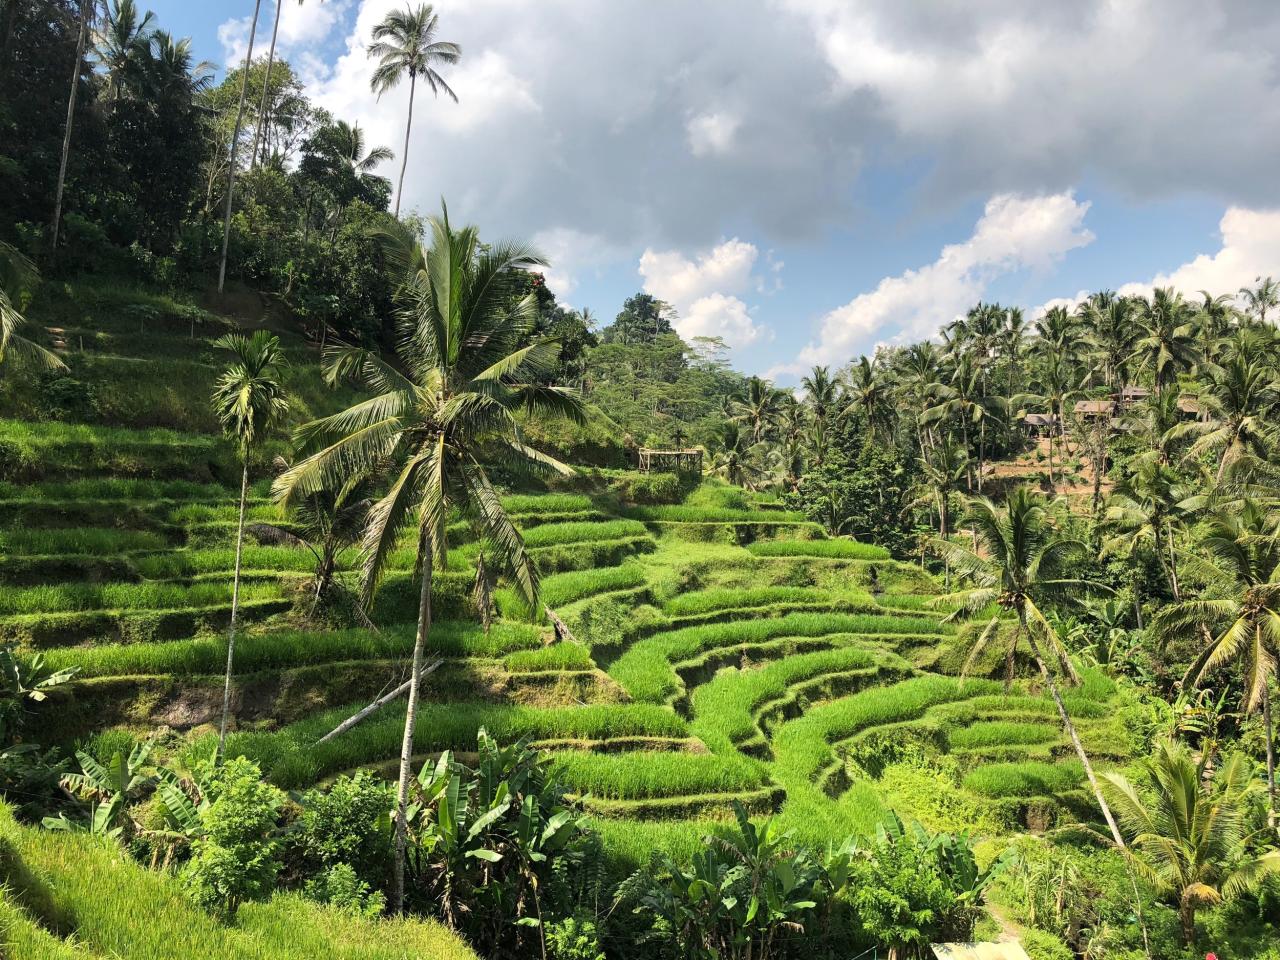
(573, 939)
(236, 858)
(348, 825)
(340, 887)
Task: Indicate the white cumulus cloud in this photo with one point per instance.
(1250, 248)
(704, 290)
(302, 25)
(711, 133)
(1014, 233)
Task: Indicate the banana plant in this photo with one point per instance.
(23, 681)
(107, 789)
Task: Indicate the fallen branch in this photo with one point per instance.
(378, 704)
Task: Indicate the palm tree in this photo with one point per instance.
(868, 394)
(86, 22)
(1011, 340)
(327, 523)
(1239, 613)
(468, 363)
(248, 400)
(348, 140)
(1168, 344)
(1190, 832)
(235, 144)
(1017, 568)
(759, 407)
(17, 273)
(1112, 336)
(173, 76)
(1214, 321)
(945, 468)
(1240, 398)
(1144, 508)
(734, 459)
(124, 47)
(821, 394)
(266, 87)
(405, 43)
(1261, 298)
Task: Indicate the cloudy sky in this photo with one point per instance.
(808, 178)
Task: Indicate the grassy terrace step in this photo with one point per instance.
(588, 554)
(127, 488)
(681, 513)
(646, 672)
(292, 759)
(564, 588)
(804, 748)
(645, 775)
(288, 695)
(257, 651)
(69, 896)
(52, 450)
(826, 549)
(726, 710)
(205, 591)
(673, 811)
(43, 630)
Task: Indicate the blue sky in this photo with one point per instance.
(809, 178)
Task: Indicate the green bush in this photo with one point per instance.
(348, 825)
(236, 858)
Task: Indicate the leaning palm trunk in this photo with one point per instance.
(266, 86)
(86, 11)
(408, 126)
(410, 716)
(235, 142)
(1071, 731)
(235, 609)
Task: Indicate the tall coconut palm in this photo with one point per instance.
(469, 361)
(266, 88)
(1190, 832)
(1215, 319)
(945, 468)
(1168, 344)
(1239, 612)
(867, 394)
(1017, 567)
(758, 408)
(1111, 331)
(1145, 509)
(87, 8)
(405, 43)
(1012, 342)
(17, 274)
(348, 141)
(1241, 400)
(822, 397)
(1261, 298)
(235, 144)
(249, 401)
(124, 46)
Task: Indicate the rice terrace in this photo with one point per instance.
(366, 593)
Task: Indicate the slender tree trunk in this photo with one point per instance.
(235, 608)
(944, 522)
(1173, 564)
(1071, 732)
(410, 716)
(982, 450)
(86, 13)
(404, 161)
(1271, 757)
(266, 86)
(1187, 919)
(235, 143)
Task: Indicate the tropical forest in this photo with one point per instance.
(361, 597)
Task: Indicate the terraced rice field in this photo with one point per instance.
(723, 649)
